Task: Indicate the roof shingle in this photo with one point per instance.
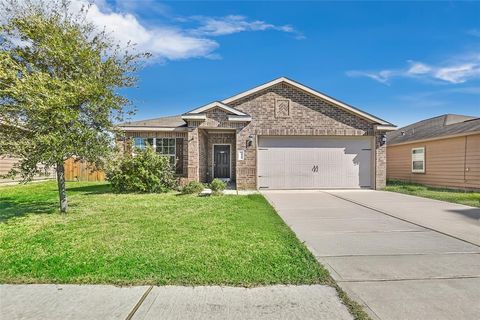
(162, 122)
(444, 125)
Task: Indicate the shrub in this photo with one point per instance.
(145, 172)
(193, 187)
(217, 186)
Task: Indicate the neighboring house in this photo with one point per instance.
(443, 151)
(280, 135)
(7, 162)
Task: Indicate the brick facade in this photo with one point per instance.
(380, 162)
(308, 115)
(280, 110)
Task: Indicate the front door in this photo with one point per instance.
(221, 161)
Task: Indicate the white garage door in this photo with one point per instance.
(314, 162)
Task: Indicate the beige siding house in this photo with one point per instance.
(7, 163)
(443, 151)
(279, 135)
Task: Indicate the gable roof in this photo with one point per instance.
(313, 92)
(435, 128)
(162, 122)
(217, 104)
(178, 121)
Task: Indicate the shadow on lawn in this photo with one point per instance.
(11, 208)
(91, 189)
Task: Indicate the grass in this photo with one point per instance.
(449, 195)
(158, 239)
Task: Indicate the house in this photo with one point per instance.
(443, 151)
(8, 162)
(279, 135)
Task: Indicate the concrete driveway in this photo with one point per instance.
(400, 256)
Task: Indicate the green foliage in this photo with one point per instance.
(193, 187)
(145, 172)
(217, 186)
(469, 198)
(59, 81)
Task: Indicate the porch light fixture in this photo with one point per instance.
(383, 139)
(249, 141)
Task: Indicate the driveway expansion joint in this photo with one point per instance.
(409, 279)
(139, 303)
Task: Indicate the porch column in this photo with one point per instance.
(192, 168)
(380, 161)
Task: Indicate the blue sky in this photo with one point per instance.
(400, 61)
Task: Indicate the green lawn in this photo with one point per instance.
(456, 196)
(147, 239)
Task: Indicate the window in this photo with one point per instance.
(167, 147)
(418, 160)
(142, 143)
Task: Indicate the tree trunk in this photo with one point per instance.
(62, 194)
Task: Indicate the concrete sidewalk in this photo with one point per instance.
(427, 269)
(72, 302)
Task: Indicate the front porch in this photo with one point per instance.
(217, 155)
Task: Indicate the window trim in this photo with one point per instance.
(154, 146)
(144, 145)
(412, 160)
(169, 146)
(170, 155)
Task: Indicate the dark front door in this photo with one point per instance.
(221, 161)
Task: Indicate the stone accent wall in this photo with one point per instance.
(380, 162)
(306, 115)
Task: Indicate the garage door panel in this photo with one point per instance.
(313, 162)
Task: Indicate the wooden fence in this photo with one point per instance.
(82, 171)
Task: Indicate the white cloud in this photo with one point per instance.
(381, 76)
(173, 42)
(162, 42)
(230, 24)
(418, 68)
(175, 38)
(458, 70)
(458, 73)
